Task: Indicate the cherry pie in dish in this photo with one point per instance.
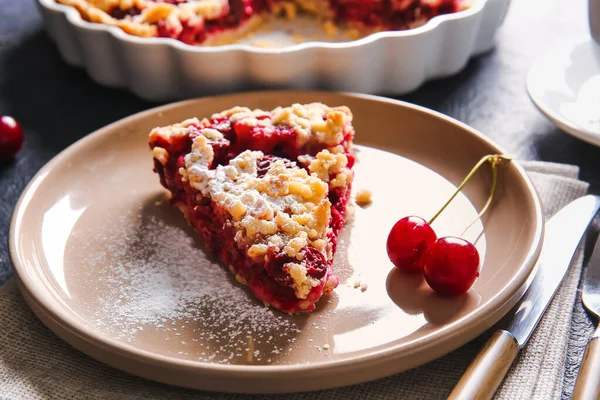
(267, 191)
(216, 22)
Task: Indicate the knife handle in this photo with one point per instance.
(486, 372)
(588, 379)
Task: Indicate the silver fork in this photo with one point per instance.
(588, 380)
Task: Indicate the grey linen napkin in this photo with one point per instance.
(35, 364)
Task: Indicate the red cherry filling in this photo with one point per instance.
(315, 263)
(119, 13)
(193, 31)
(281, 142)
(263, 165)
(11, 137)
(407, 242)
(391, 14)
(451, 265)
(197, 29)
(275, 268)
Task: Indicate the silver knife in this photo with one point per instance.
(562, 236)
(588, 379)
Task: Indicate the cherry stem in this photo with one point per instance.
(494, 159)
(489, 199)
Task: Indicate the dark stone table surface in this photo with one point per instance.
(57, 104)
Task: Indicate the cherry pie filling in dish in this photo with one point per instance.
(267, 191)
(216, 22)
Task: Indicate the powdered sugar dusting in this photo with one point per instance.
(155, 277)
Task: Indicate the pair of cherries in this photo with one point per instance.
(449, 264)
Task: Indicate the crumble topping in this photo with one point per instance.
(285, 199)
(319, 8)
(325, 164)
(106, 5)
(302, 282)
(160, 154)
(314, 121)
(150, 13)
(330, 28)
(290, 10)
(325, 123)
(175, 130)
(353, 34)
(96, 11)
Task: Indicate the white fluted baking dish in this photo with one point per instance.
(163, 69)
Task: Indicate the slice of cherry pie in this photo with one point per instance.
(267, 191)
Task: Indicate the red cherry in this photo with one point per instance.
(451, 265)
(11, 137)
(407, 242)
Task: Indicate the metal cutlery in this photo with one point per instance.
(562, 236)
(588, 380)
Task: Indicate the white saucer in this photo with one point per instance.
(565, 85)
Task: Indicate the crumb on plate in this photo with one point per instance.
(363, 197)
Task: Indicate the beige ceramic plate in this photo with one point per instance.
(112, 269)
